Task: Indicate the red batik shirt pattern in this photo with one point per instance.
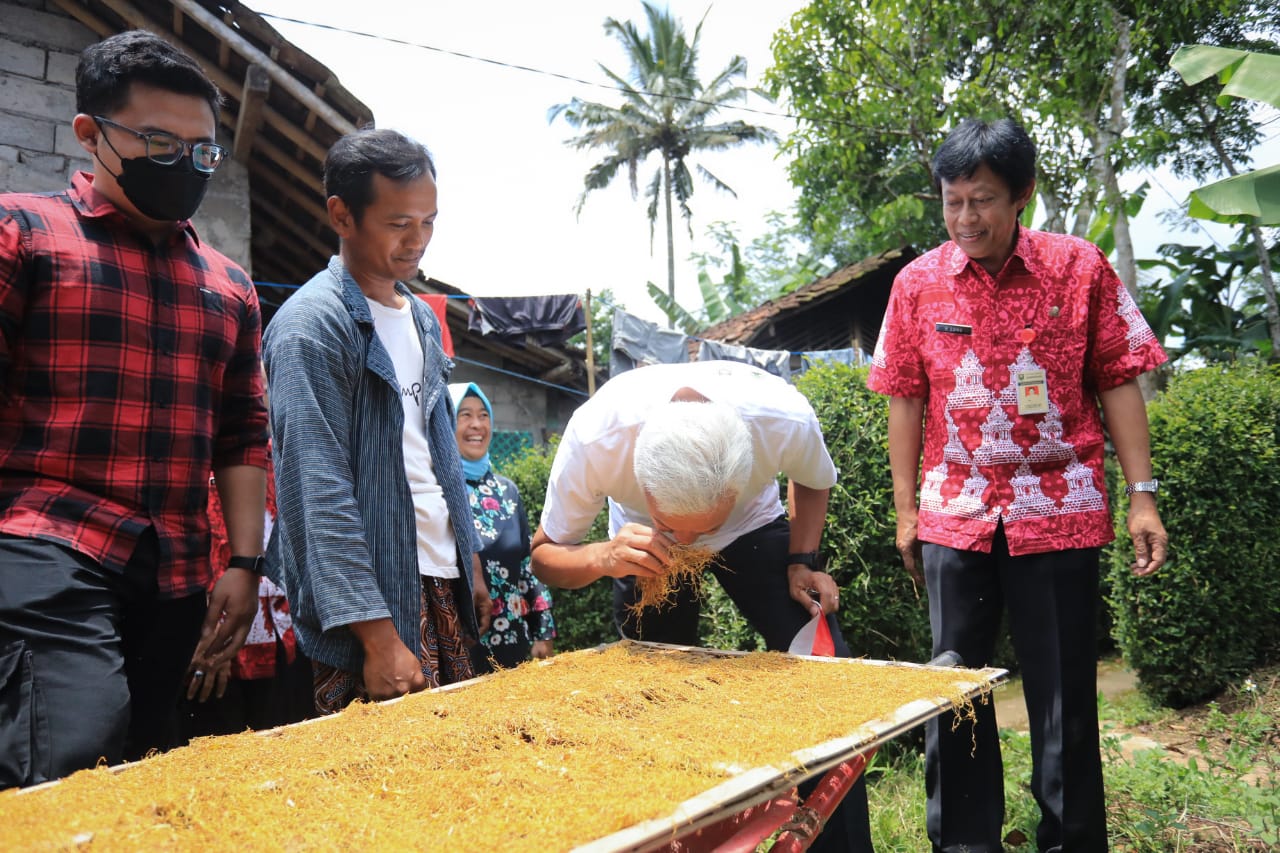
(127, 372)
(1042, 474)
(272, 622)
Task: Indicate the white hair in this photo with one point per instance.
(690, 455)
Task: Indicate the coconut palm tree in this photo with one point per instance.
(666, 111)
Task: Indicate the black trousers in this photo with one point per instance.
(255, 703)
(1051, 600)
(91, 661)
(753, 571)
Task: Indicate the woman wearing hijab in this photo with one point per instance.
(522, 625)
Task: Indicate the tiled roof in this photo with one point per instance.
(746, 329)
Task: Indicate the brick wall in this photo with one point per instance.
(39, 49)
(38, 54)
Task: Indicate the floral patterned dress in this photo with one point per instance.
(521, 602)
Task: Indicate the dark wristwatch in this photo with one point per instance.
(809, 559)
(253, 564)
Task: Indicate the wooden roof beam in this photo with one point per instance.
(268, 172)
(224, 50)
(84, 16)
(299, 233)
(279, 75)
(257, 85)
(135, 18)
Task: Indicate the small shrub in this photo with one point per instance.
(584, 617)
(721, 625)
(1210, 614)
(881, 614)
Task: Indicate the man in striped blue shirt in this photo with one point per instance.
(374, 542)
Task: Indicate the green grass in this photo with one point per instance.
(1225, 800)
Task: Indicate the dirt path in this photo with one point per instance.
(1114, 680)
(1178, 739)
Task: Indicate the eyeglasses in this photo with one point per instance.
(167, 149)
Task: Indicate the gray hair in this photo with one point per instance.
(690, 455)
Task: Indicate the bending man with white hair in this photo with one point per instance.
(691, 454)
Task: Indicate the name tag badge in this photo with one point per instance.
(952, 329)
(1033, 392)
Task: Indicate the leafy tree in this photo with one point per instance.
(879, 83)
(1210, 299)
(1242, 74)
(772, 264)
(775, 262)
(1252, 198)
(666, 111)
(730, 297)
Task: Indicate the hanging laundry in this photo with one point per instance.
(777, 362)
(638, 342)
(549, 320)
(438, 303)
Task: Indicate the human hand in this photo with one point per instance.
(1150, 541)
(391, 671)
(542, 649)
(636, 550)
(480, 598)
(232, 605)
(202, 685)
(909, 546)
(803, 582)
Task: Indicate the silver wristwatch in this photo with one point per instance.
(1151, 486)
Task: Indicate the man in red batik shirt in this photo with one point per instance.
(1003, 342)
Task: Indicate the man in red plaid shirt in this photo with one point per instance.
(129, 368)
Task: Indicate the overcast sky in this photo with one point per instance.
(509, 185)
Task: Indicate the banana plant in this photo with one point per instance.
(1244, 74)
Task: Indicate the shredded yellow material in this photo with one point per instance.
(687, 562)
(545, 756)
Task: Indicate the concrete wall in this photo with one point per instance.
(39, 49)
(518, 404)
(223, 220)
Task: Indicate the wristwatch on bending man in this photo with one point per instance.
(808, 559)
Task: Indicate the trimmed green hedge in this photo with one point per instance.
(1213, 612)
(584, 617)
(882, 615)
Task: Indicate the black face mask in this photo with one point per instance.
(165, 193)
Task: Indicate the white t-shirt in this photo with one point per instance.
(594, 460)
(437, 546)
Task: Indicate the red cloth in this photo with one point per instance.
(257, 658)
(982, 460)
(438, 303)
(128, 371)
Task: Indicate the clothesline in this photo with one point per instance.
(469, 296)
(775, 361)
(296, 286)
(564, 388)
